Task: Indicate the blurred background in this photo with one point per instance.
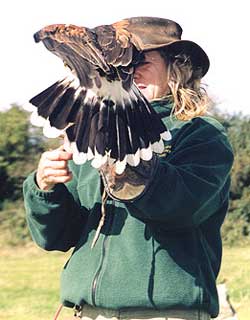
(220, 28)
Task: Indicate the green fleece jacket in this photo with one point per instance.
(161, 251)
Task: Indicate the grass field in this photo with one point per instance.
(29, 282)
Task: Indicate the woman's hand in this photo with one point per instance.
(53, 168)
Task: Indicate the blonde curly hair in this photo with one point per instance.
(189, 98)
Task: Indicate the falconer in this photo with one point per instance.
(159, 248)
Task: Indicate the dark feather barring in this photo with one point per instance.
(98, 107)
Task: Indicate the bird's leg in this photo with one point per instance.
(102, 220)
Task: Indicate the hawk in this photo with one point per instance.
(97, 106)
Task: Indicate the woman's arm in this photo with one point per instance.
(188, 186)
(54, 214)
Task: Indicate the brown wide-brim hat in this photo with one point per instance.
(150, 33)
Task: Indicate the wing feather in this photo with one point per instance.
(102, 112)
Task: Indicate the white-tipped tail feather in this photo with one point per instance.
(101, 124)
(78, 157)
(51, 132)
(158, 147)
(134, 159)
(120, 166)
(166, 135)
(37, 120)
(146, 153)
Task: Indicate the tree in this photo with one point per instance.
(21, 145)
(237, 225)
(18, 151)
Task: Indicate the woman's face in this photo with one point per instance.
(151, 76)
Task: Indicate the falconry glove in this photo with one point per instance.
(132, 183)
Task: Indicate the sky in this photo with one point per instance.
(221, 28)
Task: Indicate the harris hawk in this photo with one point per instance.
(98, 107)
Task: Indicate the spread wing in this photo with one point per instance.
(99, 108)
(90, 52)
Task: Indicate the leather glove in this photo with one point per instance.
(132, 183)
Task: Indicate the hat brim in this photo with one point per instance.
(198, 56)
(152, 33)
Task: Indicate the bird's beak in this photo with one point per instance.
(37, 37)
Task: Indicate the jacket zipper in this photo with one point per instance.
(104, 249)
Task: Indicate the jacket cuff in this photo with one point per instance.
(152, 184)
(31, 186)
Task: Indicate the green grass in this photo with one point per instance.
(235, 272)
(29, 282)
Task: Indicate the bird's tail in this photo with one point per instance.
(121, 129)
(117, 129)
(57, 107)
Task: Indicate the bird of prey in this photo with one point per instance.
(98, 107)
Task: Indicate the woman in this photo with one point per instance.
(158, 253)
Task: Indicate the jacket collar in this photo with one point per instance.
(163, 107)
